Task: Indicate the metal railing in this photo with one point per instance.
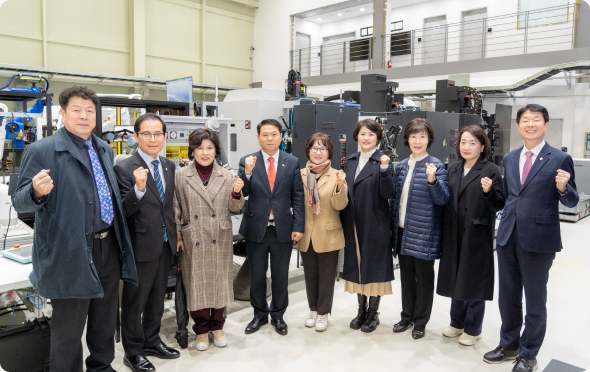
(534, 31)
(348, 56)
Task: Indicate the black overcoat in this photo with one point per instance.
(368, 209)
(466, 269)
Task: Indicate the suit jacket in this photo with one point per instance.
(204, 220)
(533, 207)
(64, 222)
(287, 194)
(147, 218)
(324, 231)
(466, 269)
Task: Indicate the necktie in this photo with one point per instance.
(272, 174)
(156, 164)
(104, 195)
(528, 164)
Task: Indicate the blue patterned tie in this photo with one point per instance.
(156, 164)
(104, 195)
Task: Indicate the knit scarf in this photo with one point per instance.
(314, 172)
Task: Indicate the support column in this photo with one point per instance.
(137, 37)
(379, 29)
(203, 49)
(44, 31)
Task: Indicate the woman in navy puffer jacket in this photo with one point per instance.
(422, 190)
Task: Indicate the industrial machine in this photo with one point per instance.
(295, 87)
(378, 95)
(457, 99)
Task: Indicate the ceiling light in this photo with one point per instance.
(362, 9)
(339, 14)
(319, 19)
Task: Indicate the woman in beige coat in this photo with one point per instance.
(205, 194)
(326, 194)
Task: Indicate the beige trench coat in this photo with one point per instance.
(204, 221)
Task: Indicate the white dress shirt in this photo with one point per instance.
(535, 152)
(403, 202)
(265, 156)
(148, 159)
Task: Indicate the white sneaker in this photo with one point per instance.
(219, 338)
(452, 332)
(468, 340)
(311, 319)
(202, 343)
(322, 323)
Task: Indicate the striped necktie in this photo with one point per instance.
(104, 194)
(156, 164)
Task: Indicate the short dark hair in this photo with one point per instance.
(371, 125)
(324, 139)
(533, 107)
(272, 122)
(77, 91)
(148, 116)
(419, 125)
(479, 134)
(197, 137)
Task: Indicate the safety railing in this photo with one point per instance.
(534, 31)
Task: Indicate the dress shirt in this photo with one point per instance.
(148, 160)
(265, 156)
(535, 152)
(403, 203)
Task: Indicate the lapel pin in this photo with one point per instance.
(541, 159)
(283, 165)
(166, 168)
(374, 162)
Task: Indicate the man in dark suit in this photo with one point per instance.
(81, 247)
(536, 178)
(272, 181)
(146, 181)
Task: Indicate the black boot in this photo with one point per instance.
(372, 320)
(357, 322)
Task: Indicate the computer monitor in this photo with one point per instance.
(180, 90)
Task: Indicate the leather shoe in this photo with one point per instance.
(280, 326)
(399, 327)
(499, 354)
(162, 351)
(138, 363)
(524, 365)
(255, 325)
(416, 335)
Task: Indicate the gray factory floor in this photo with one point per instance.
(342, 349)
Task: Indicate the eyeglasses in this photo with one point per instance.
(147, 135)
(319, 150)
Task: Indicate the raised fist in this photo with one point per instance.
(250, 163)
(42, 183)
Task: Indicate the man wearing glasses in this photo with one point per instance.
(146, 182)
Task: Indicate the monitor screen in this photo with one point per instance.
(180, 90)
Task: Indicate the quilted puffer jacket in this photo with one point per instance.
(423, 223)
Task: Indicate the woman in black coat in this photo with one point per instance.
(368, 260)
(466, 269)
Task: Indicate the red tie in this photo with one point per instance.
(272, 174)
(528, 164)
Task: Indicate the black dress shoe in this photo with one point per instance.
(400, 327)
(416, 335)
(138, 363)
(280, 326)
(162, 351)
(255, 325)
(499, 354)
(361, 317)
(524, 365)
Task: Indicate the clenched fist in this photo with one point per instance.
(250, 163)
(384, 160)
(238, 184)
(431, 172)
(141, 175)
(340, 178)
(562, 179)
(486, 184)
(42, 183)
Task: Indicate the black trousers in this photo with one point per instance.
(468, 315)
(142, 306)
(320, 277)
(518, 268)
(417, 280)
(280, 256)
(69, 317)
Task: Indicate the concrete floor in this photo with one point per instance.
(342, 349)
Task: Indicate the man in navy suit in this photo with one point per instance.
(273, 183)
(536, 178)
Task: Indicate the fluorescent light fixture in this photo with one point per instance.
(362, 9)
(319, 19)
(339, 14)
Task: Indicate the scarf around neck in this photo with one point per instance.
(314, 172)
